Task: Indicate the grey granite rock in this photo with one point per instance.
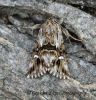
(88, 3)
(16, 45)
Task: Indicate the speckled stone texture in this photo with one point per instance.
(16, 45)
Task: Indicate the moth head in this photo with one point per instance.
(48, 58)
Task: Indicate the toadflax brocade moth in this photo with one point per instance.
(49, 51)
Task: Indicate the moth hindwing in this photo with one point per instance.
(49, 51)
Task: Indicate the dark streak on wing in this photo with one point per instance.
(38, 61)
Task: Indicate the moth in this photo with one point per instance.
(49, 51)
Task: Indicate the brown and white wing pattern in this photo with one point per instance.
(49, 52)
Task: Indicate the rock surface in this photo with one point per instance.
(88, 3)
(16, 45)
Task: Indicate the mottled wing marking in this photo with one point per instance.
(49, 51)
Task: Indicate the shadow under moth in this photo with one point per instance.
(49, 51)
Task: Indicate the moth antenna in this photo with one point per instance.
(67, 34)
(33, 27)
(64, 30)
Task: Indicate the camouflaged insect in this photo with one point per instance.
(49, 51)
